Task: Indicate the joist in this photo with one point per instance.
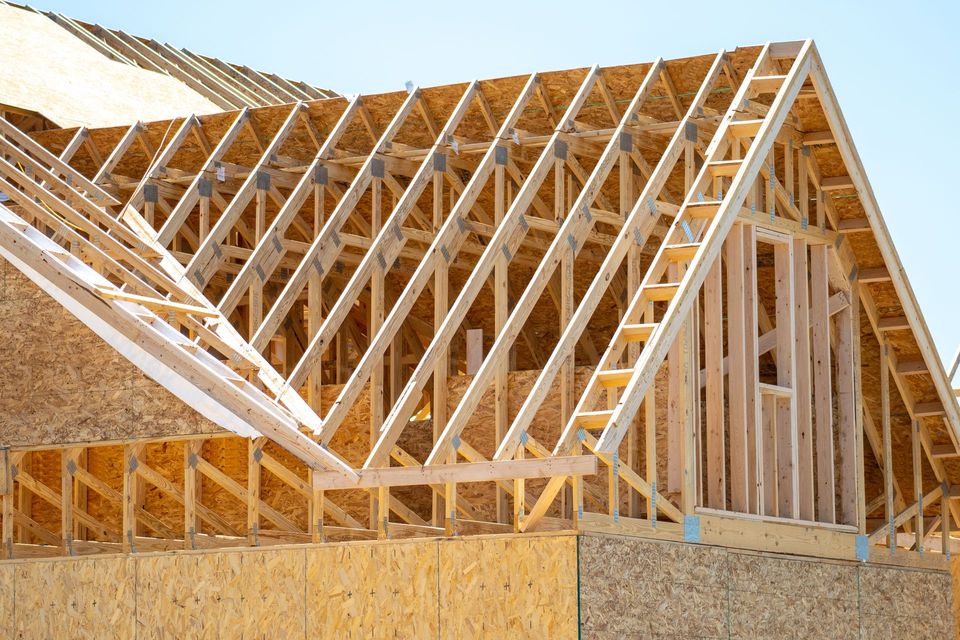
(552, 467)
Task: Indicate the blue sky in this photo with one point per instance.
(893, 66)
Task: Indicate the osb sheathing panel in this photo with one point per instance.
(786, 598)
(955, 593)
(49, 70)
(634, 588)
(222, 595)
(900, 603)
(373, 591)
(86, 598)
(508, 588)
(60, 383)
(6, 601)
(496, 587)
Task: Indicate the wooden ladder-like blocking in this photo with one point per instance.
(690, 226)
(732, 161)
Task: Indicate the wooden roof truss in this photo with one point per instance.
(765, 420)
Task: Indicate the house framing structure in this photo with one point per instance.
(656, 299)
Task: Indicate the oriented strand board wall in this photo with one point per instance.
(505, 586)
(6, 600)
(659, 590)
(221, 595)
(371, 590)
(49, 70)
(88, 598)
(60, 383)
(786, 598)
(900, 603)
(955, 575)
(509, 587)
(631, 588)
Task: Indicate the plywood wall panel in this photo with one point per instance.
(901, 603)
(955, 594)
(228, 594)
(81, 390)
(508, 587)
(637, 588)
(530, 586)
(787, 598)
(75, 599)
(7, 600)
(372, 590)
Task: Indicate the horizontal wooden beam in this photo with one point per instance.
(818, 137)
(462, 472)
(912, 367)
(877, 274)
(853, 225)
(836, 183)
(893, 323)
(928, 409)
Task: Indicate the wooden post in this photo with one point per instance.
(565, 275)
(255, 310)
(80, 497)
(822, 384)
(767, 455)
(6, 503)
(788, 489)
(192, 450)
(675, 403)
(736, 347)
(474, 350)
(801, 305)
(377, 314)
(917, 451)
(23, 461)
(945, 518)
(441, 304)
(650, 428)
(688, 447)
(887, 444)
(634, 276)
(131, 485)
(383, 513)
(68, 466)
(500, 313)
(713, 360)
(254, 455)
(751, 350)
(315, 303)
(847, 407)
(316, 513)
(859, 499)
(519, 494)
(203, 230)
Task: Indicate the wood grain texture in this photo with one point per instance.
(86, 598)
(508, 587)
(372, 590)
(81, 390)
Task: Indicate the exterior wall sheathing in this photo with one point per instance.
(531, 586)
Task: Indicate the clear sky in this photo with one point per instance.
(894, 66)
